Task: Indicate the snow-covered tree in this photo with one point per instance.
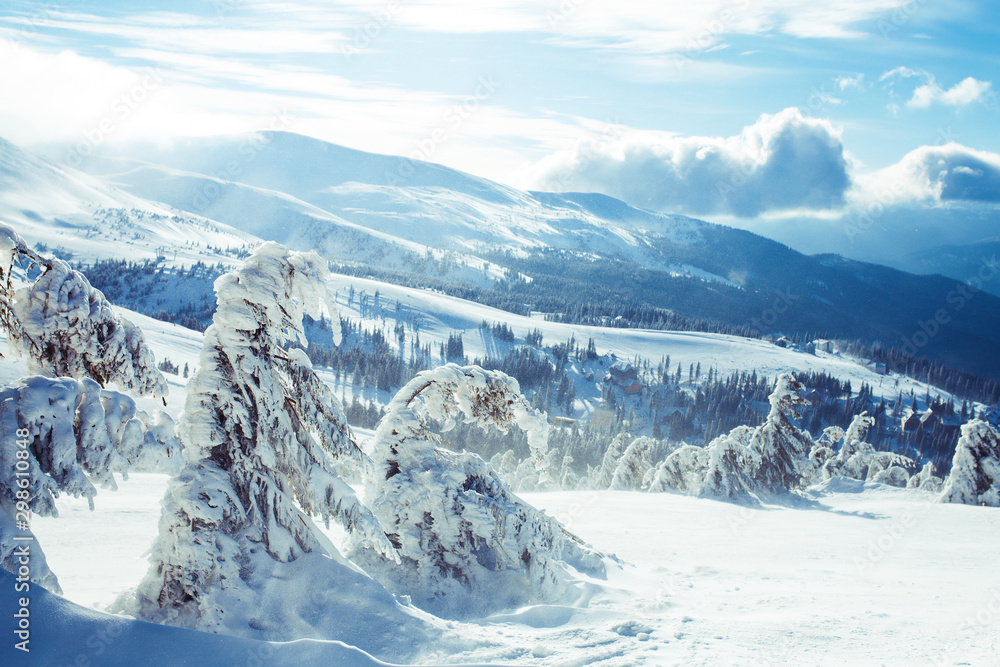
(568, 479)
(858, 428)
(893, 475)
(857, 459)
(63, 436)
(63, 326)
(731, 466)
(975, 469)
(467, 543)
(601, 477)
(781, 448)
(683, 471)
(633, 465)
(926, 480)
(505, 465)
(263, 437)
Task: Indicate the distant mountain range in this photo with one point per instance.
(554, 252)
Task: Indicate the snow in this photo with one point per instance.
(859, 574)
(441, 315)
(64, 633)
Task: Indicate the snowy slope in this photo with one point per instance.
(255, 181)
(860, 575)
(825, 581)
(413, 217)
(81, 218)
(439, 315)
(63, 633)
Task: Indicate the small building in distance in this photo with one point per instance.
(877, 367)
(623, 373)
(633, 388)
(824, 345)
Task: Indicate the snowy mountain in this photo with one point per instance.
(579, 251)
(80, 217)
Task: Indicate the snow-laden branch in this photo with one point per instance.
(64, 436)
(65, 327)
(467, 543)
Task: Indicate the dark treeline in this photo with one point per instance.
(964, 385)
(183, 296)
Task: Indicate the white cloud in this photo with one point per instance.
(901, 72)
(783, 161)
(933, 175)
(66, 97)
(966, 92)
(856, 81)
(639, 26)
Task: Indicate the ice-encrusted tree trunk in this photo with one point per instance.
(975, 469)
(781, 447)
(468, 544)
(63, 436)
(63, 326)
(263, 436)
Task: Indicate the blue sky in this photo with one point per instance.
(631, 98)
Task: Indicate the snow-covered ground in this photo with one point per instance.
(857, 575)
(854, 574)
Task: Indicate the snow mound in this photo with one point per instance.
(62, 633)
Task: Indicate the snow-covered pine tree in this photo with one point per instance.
(853, 459)
(568, 479)
(781, 447)
(65, 327)
(633, 465)
(926, 480)
(602, 477)
(468, 544)
(975, 469)
(61, 435)
(731, 466)
(858, 428)
(683, 471)
(237, 551)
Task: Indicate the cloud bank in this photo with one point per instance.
(937, 175)
(783, 161)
